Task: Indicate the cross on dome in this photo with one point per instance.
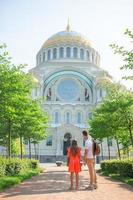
(68, 28)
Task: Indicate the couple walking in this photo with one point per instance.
(74, 161)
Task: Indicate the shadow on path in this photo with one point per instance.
(57, 181)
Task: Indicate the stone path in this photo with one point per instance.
(54, 184)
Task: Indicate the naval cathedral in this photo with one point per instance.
(68, 76)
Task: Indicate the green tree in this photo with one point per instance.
(15, 147)
(120, 102)
(20, 116)
(33, 124)
(126, 54)
(113, 118)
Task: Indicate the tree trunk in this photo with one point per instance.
(35, 149)
(118, 148)
(131, 136)
(108, 148)
(102, 149)
(128, 152)
(21, 147)
(9, 138)
(29, 149)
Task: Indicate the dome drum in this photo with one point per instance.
(67, 45)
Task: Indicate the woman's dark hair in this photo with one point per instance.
(85, 133)
(74, 148)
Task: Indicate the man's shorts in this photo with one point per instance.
(90, 160)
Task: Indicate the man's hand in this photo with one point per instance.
(84, 163)
(85, 156)
(85, 160)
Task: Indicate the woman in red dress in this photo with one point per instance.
(73, 155)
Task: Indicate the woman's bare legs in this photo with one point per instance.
(71, 179)
(77, 180)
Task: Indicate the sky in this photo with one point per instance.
(26, 24)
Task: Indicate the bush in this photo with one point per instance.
(25, 164)
(2, 166)
(34, 164)
(7, 181)
(122, 167)
(14, 166)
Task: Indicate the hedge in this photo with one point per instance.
(122, 167)
(13, 166)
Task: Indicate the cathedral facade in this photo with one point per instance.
(68, 76)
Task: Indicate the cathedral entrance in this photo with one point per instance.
(66, 142)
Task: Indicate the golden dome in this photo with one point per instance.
(67, 37)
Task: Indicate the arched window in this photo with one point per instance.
(92, 57)
(101, 92)
(49, 140)
(68, 52)
(43, 56)
(56, 117)
(75, 52)
(35, 91)
(37, 60)
(90, 115)
(110, 142)
(79, 118)
(87, 96)
(83, 143)
(96, 59)
(61, 52)
(40, 59)
(49, 54)
(54, 53)
(68, 118)
(82, 53)
(88, 55)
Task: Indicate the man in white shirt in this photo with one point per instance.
(89, 159)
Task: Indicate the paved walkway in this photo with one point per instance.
(54, 183)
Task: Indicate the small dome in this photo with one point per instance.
(68, 37)
(35, 80)
(103, 80)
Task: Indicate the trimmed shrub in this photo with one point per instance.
(122, 167)
(13, 166)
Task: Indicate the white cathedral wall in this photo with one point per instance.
(57, 142)
(57, 131)
(58, 135)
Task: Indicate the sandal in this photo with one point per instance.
(95, 186)
(77, 188)
(90, 187)
(70, 188)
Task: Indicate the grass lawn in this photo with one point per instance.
(7, 181)
(124, 179)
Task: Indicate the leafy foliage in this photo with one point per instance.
(113, 118)
(126, 54)
(20, 116)
(13, 166)
(122, 167)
